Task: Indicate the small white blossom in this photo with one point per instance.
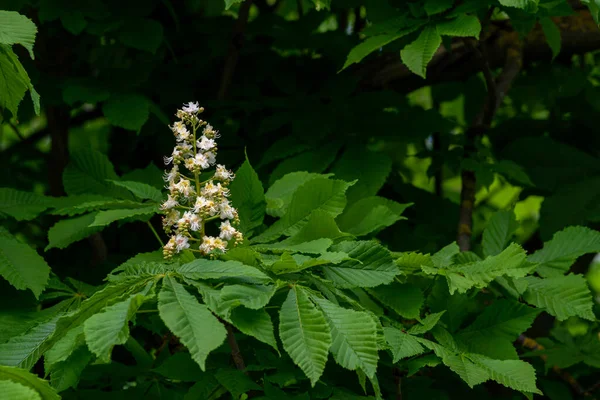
(193, 220)
(190, 164)
(209, 131)
(201, 161)
(184, 187)
(191, 108)
(227, 231)
(205, 143)
(181, 242)
(170, 203)
(208, 244)
(226, 211)
(210, 156)
(172, 174)
(223, 173)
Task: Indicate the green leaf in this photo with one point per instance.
(527, 5)
(370, 214)
(493, 331)
(14, 82)
(370, 265)
(317, 246)
(235, 381)
(104, 218)
(353, 336)
(405, 299)
(64, 347)
(304, 333)
(320, 225)
(417, 54)
(254, 297)
(371, 176)
(247, 195)
(23, 206)
(229, 3)
(24, 350)
(511, 262)
(558, 254)
(84, 91)
(14, 390)
(127, 110)
(402, 344)
(552, 34)
(29, 380)
(437, 6)
(141, 34)
(514, 374)
(563, 297)
(141, 190)
(499, 232)
(317, 194)
(22, 266)
(66, 374)
(427, 324)
(279, 195)
(181, 367)
(90, 172)
(17, 29)
(191, 321)
(445, 256)
(214, 269)
(255, 323)
(461, 26)
(373, 43)
(72, 230)
(410, 263)
(110, 327)
(468, 371)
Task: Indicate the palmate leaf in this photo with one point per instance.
(279, 195)
(493, 331)
(461, 26)
(247, 195)
(371, 265)
(23, 206)
(417, 55)
(558, 254)
(254, 297)
(255, 323)
(104, 218)
(22, 266)
(21, 376)
(235, 381)
(141, 190)
(498, 232)
(79, 204)
(563, 297)
(426, 324)
(214, 269)
(66, 374)
(402, 344)
(14, 82)
(317, 246)
(110, 327)
(192, 322)
(24, 350)
(317, 194)
(14, 390)
(64, 347)
(304, 332)
(370, 214)
(16, 28)
(71, 230)
(353, 337)
(405, 299)
(320, 225)
(514, 374)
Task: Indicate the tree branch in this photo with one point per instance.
(236, 354)
(496, 90)
(237, 40)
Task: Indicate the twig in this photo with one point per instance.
(577, 388)
(398, 381)
(155, 234)
(237, 40)
(17, 131)
(496, 90)
(236, 354)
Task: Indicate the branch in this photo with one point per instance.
(534, 345)
(496, 90)
(236, 354)
(237, 40)
(579, 34)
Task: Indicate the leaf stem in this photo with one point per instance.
(155, 234)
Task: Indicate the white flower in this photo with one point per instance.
(201, 161)
(223, 173)
(210, 131)
(181, 242)
(219, 244)
(205, 143)
(192, 219)
(170, 203)
(172, 174)
(201, 202)
(171, 218)
(180, 130)
(210, 156)
(184, 148)
(208, 244)
(184, 187)
(190, 164)
(227, 231)
(167, 160)
(210, 189)
(226, 211)
(191, 108)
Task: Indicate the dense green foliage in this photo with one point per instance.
(363, 136)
